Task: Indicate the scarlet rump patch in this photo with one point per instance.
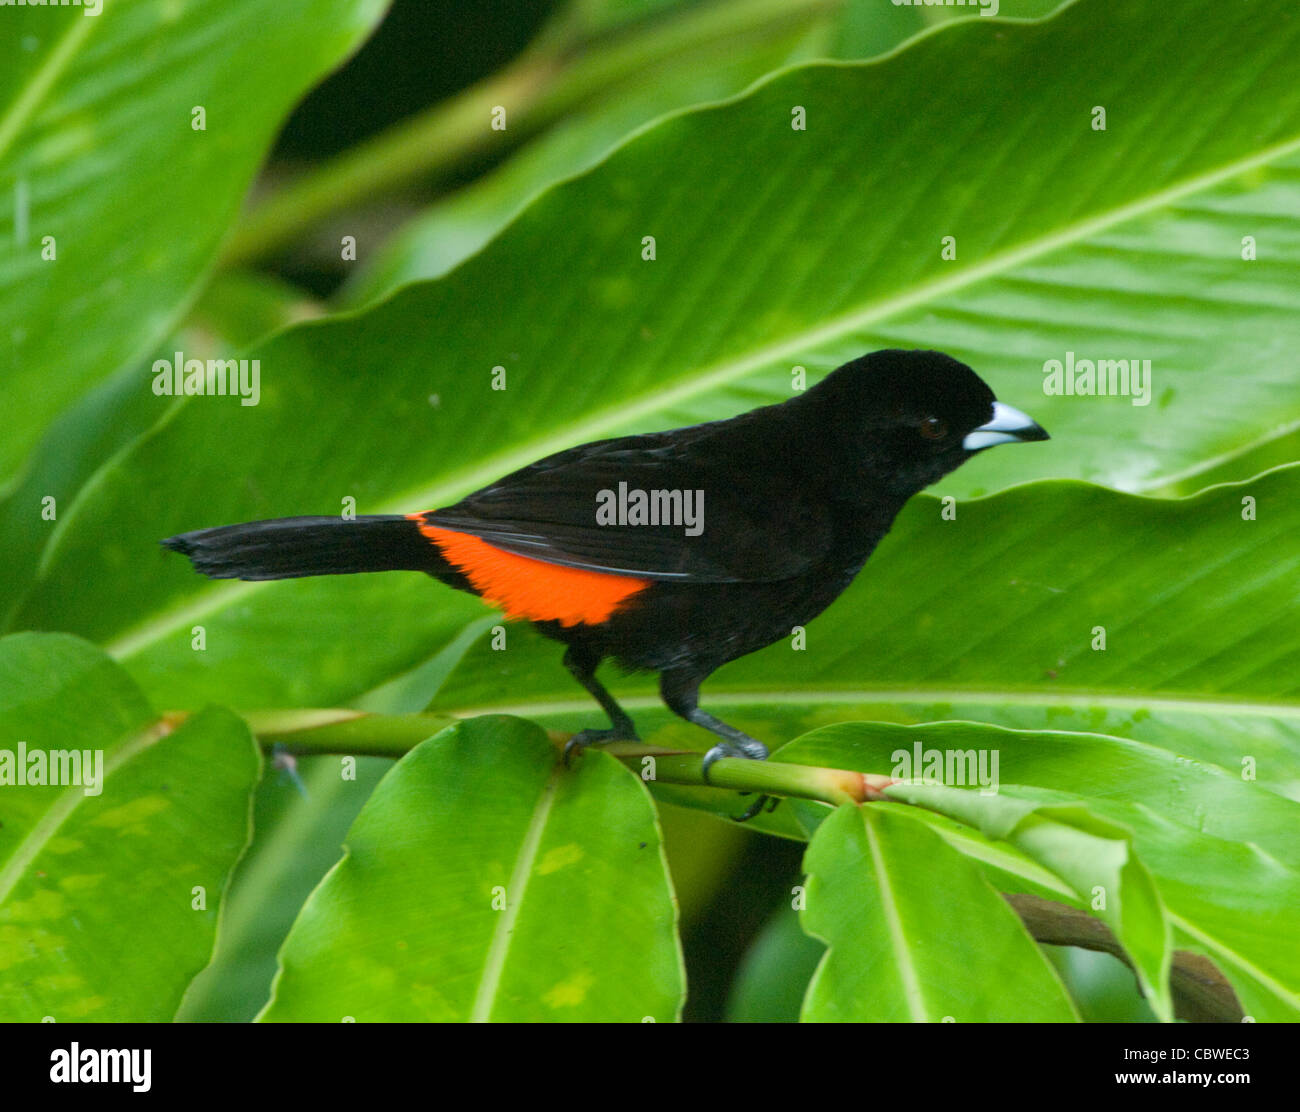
(528, 588)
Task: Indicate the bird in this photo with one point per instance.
(671, 552)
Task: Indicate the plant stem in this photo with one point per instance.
(1202, 994)
(827, 785)
(317, 731)
(311, 732)
(540, 86)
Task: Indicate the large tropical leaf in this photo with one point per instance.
(98, 151)
(452, 229)
(484, 881)
(299, 822)
(915, 932)
(234, 310)
(109, 893)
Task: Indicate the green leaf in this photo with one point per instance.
(455, 227)
(1093, 856)
(1229, 901)
(237, 308)
(458, 226)
(297, 839)
(1196, 794)
(596, 16)
(98, 151)
(234, 310)
(483, 880)
(867, 28)
(773, 977)
(915, 933)
(1101, 984)
(109, 899)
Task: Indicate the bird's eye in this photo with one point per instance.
(933, 428)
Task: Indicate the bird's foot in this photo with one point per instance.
(584, 738)
(769, 801)
(748, 749)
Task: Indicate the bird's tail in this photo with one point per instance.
(291, 547)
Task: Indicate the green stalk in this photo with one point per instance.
(827, 785)
(539, 87)
(312, 732)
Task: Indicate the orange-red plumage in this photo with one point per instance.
(532, 589)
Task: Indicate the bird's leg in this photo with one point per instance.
(582, 666)
(681, 693)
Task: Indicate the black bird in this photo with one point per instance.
(675, 551)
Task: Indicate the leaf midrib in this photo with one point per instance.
(913, 994)
(46, 74)
(494, 965)
(65, 805)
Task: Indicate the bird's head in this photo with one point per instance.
(907, 418)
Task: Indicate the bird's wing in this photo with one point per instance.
(754, 522)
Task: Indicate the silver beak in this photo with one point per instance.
(1008, 425)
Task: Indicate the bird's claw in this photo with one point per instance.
(771, 802)
(749, 750)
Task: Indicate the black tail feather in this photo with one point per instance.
(292, 547)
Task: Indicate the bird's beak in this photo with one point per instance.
(1008, 424)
